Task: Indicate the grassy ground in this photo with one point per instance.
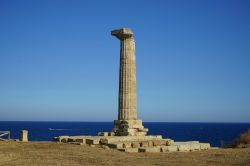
(49, 153)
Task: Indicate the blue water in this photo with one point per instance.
(214, 133)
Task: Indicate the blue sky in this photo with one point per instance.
(59, 62)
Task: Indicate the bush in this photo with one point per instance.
(242, 142)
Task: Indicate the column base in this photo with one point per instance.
(129, 128)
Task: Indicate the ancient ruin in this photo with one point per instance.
(24, 136)
(129, 134)
(127, 123)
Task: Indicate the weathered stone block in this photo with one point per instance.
(71, 139)
(24, 136)
(135, 145)
(108, 140)
(126, 145)
(63, 139)
(195, 146)
(169, 142)
(144, 144)
(111, 134)
(141, 133)
(159, 142)
(184, 148)
(150, 149)
(116, 145)
(81, 140)
(150, 143)
(204, 146)
(129, 128)
(92, 141)
(171, 148)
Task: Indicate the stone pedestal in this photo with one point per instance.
(127, 123)
(24, 136)
(129, 128)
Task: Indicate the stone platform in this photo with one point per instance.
(135, 143)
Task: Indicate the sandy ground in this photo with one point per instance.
(50, 153)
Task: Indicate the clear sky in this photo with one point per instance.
(59, 62)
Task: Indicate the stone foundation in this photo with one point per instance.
(135, 143)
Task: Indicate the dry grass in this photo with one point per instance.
(49, 153)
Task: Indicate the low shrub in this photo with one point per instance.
(242, 142)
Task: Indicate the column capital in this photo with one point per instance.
(123, 33)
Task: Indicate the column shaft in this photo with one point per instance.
(127, 80)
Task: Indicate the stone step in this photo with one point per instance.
(171, 148)
(93, 141)
(136, 143)
(191, 146)
(150, 149)
(108, 140)
(129, 150)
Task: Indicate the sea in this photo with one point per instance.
(217, 134)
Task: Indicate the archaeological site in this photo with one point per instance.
(129, 134)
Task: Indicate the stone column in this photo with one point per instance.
(127, 113)
(127, 79)
(24, 136)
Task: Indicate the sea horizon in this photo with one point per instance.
(216, 133)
